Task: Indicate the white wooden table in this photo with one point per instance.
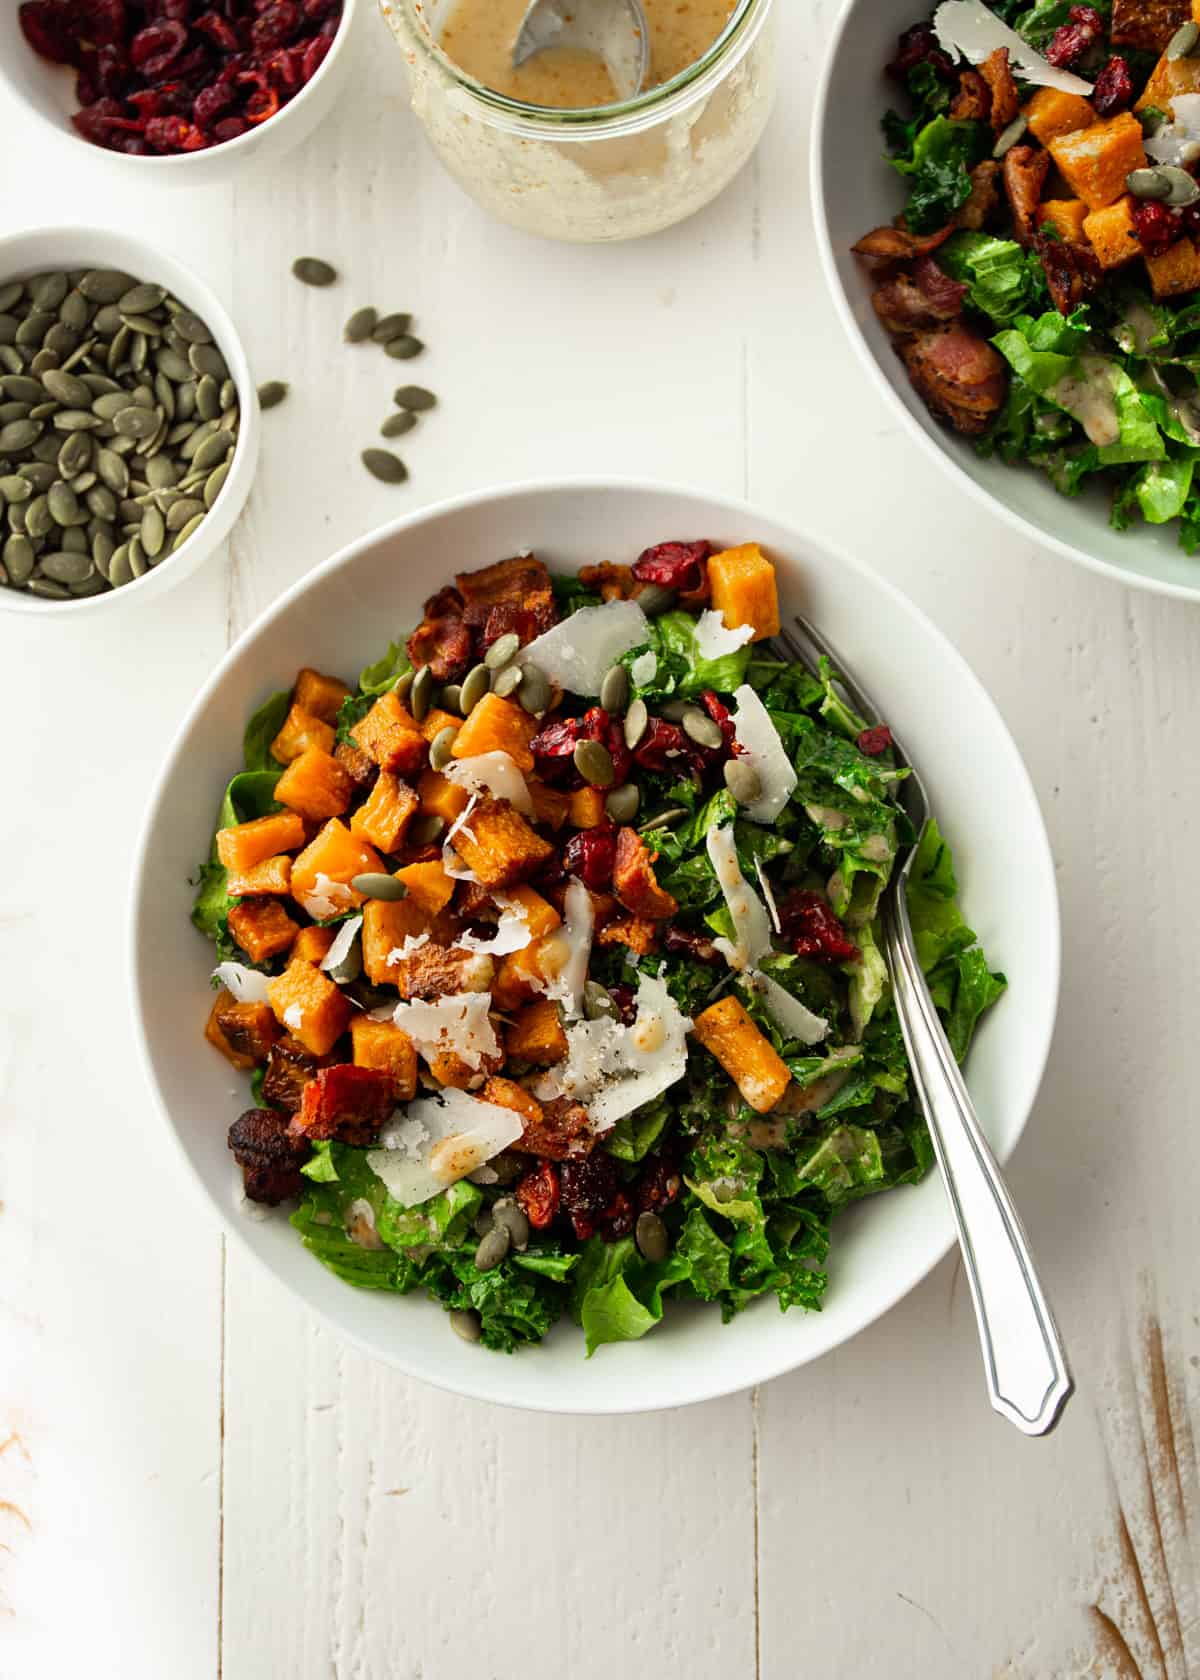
(197, 1482)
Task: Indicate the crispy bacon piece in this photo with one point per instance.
(444, 644)
(958, 374)
(563, 1132)
(1004, 100)
(973, 101)
(906, 303)
(614, 583)
(289, 1068)
(345, 1102)
(985, 195)
(634, 882)
(1025, 171)
(1148, 24)
(269, 1157)
(505, 618)
(447, 603)
(539, 1194)
(435, 971)
(896, 245)
(521, 582)
(1072, 272)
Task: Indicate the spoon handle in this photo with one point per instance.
(1028, 1379)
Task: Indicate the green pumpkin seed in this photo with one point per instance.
(206, 358)
(112, 470)
(136, 422)
(46, 291)
(420, 695)
(614, 689)
(105, 285)
(503, 649)
(228, 393)
(22, 411)
(10, 359)
(161, 472)
(594, 763)
(75, 541)
(139, 565)
(493, 1248)
(622, 803)
(61, 339)
(208, 397)
(1182, 189)
(508, 1215)
(665, 819)
(91, 585)
(10, 294)
(397, 424)
(598, 1004)
(656, 599)
(14, 488)
(103, 549)
(403, 349)
(383, 465)
(164, 395)
(64, 567)
(66, 388)
(507, 681)
(701, 728)
(534, 692)
(64, 506)
(272, 393)
(637, 720)
(182, 511)
(743, 781)
(360, 326)
(185, 400)
(15, 515)
(22, 387)
(402, 687)
(141, 299)
(414, 397)
(174, 366)
(40, 474)
(46, 449)
(652, 1238)
(383, 887)
(18, 558)
(1183, 43)
(213, 451)
(39, 521)
(440, 747)
(188, 531)
(466, 1325)
(313, 272)
(215, 483)
(427, 830)
(154, 531)
(8, 328)
(1148, 184)
(19, 434)
(49, 590)
(119, 571)
(476, 684)
(110, 403)
(74, 311)
(32, 332)
(450, 698)
(390, 326)
(190, 327)
(82, 482)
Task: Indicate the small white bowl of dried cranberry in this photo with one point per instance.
(178, 91)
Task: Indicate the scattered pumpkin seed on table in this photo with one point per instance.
(313, 271)
(397, 424)
(385, 466)
(360, 326)
(272, 393)
(387, 327)
(414, 397)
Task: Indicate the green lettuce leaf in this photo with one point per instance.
(1002, 278)
(939, 171)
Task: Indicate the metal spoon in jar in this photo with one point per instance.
(614, 30)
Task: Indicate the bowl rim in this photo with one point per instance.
(931, 447)
(164, 161)
(202, 544)
(483, 1388)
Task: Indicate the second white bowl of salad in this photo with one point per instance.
(1018, 182)
(505, 957)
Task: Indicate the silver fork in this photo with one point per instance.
(1028, 1378)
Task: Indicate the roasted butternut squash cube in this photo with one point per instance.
(550, 807)
(497, 725)
(440, 797)
(385, 928)
(321, 875)
(1094, 161)
(587, 807)
(382, 1046)
(537, 1034)
(262, 927)
(1176, 271)
(384, 818)
(744, 590)
(310, 1006)
(242, 1032)
(391, 736)
(250, 843)
(499, 845)
(315, 785)
(450, 1069)
(727, 1032)
(541, 915)
(321, 695)
(428, 885)
(300, 731)
(435, 720)
(358, 765)
(635, 933)
(1113, 234)
(1066, 216)
(313, 944)
(506, 1093)
(1052, 112)
(1169, 78)
(270, 878)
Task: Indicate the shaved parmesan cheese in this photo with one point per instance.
(451, 862)
(790, 1014)
(577, 653)
(614, 1069)
(512, 931)
(763, 751)
(438, 1141)
(459, 1024)
(714, 639)
(340, 949)
(246, 984)
(327, 898)
(644, 668)
(1178, 142)
(570, 948)
(750, 923)
(967, 29)
(495, 773)
(401, 953)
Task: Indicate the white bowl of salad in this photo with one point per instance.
(504, 945)
(1009, 219)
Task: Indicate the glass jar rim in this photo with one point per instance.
(610, 121)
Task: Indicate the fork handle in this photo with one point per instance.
(1028, 1379)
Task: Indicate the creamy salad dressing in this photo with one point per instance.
(479, 36)
(1088, 396)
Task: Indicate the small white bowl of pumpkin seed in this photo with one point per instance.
(129, 421)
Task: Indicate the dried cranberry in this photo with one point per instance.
(618, 1217)
(153, 49)
(150, 102)
(658, 1184)
(678, 941)
(589, 1186)
(277, 24)
(211, 103)
(1114, 88)
(1071, 40)
(625, 999)
(173, 134)
(218, 30)
(316, 52)
(538, 1195)
(557, 740)
(590, 855)
(96, 122)
(262, 103)
(919, 45)
(106, 23)
(86, 88)
(675, 565)
(812, 929)
(231, 128)
(875, 741)
(47, 28)
(283, 69)
(660, 746)
(1156, 226)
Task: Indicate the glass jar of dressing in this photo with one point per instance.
(518, 142)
